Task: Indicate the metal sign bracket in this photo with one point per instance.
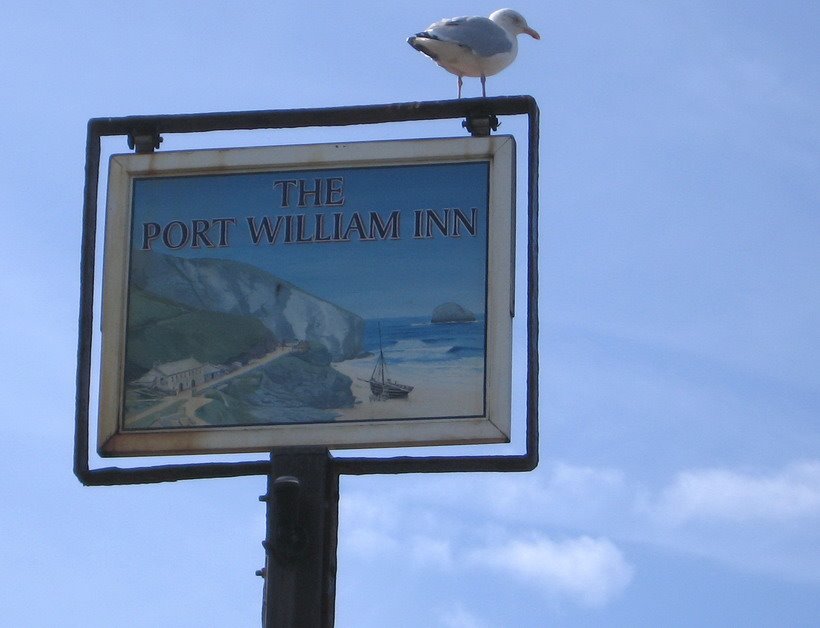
(480, 124)
(142, 141)
(145, 135)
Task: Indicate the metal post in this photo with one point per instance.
(300, 545)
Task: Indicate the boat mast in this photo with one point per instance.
(381, 352)
(380, 362)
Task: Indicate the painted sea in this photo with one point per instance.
(443, 362)
(291, 383)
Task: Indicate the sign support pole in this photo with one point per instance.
(303, 483)
(301, 538)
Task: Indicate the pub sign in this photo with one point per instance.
(343, 295)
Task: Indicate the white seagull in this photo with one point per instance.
(474, 46)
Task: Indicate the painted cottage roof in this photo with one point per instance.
(179, 366)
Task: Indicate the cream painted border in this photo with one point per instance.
(492, 428)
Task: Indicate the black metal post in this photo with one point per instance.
(300, 545)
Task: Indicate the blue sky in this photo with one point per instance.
(680, 474)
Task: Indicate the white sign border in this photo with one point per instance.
(494, 427)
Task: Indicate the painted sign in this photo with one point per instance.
(345, 295)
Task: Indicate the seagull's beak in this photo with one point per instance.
(532, 33)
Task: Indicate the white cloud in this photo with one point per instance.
(556, 494)
(725, 495)
(458, 617)
(754, 521)
(364, 509)
(369, 542)
(367, 526)
(555, 485)
(401, 526)
(589, 571)
(426, 550)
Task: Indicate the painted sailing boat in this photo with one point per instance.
(381, 386)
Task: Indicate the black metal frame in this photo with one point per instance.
(145, 133)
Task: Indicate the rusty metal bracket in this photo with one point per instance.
(480, 125)
(144, 141)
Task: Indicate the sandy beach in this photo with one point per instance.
(440, 390)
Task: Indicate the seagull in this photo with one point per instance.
(474, 46)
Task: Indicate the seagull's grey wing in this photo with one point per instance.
(479, 34)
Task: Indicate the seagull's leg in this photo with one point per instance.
(483, 86)
(460, 83)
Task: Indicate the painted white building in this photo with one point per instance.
(174, 377)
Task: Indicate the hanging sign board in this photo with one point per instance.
(342, 295)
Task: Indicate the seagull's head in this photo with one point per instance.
(513, 22)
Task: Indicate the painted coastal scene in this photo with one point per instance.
(343, 303)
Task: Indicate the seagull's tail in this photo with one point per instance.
(419, 41)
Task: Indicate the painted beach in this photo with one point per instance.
(443, 362)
